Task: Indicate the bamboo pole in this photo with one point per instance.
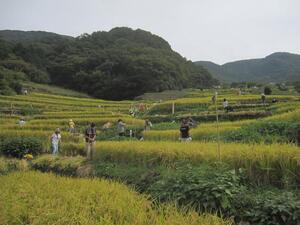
(217, 119)
(173, 108)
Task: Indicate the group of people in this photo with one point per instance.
(90, 132)
(89, 136)
(229, 108)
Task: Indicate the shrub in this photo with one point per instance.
(19, 146)
(267, 90)
(268, 132)
(267, 207)
(297, 86)
(205, 189)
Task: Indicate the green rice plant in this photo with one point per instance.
(35, 198)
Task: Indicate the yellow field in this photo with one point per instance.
(34, 198)
(47, 199)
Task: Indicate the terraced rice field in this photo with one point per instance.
(107, 202)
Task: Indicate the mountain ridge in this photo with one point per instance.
(276, 67)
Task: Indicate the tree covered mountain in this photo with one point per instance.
(277, 67)
(119, 64)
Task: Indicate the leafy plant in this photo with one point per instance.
(203, 188)
(19, 146)
(269, 207)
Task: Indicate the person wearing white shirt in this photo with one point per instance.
(226, 105)
(55, 139)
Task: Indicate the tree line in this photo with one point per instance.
(119, 64)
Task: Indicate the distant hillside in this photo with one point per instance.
(119, 64)
(277, 67)
(28, 36)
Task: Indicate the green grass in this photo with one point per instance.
(51, 89)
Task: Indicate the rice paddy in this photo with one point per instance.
(108, 202)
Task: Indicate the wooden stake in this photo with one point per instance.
(173, 108)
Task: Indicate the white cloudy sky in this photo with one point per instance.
(215, 30)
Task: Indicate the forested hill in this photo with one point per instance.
(277, 67)
(119, 64)
(29, 36)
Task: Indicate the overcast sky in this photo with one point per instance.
(215, 30)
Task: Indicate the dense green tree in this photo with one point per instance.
(267, 90)
(297, 86)
(119, 64)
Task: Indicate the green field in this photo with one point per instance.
(243, 169)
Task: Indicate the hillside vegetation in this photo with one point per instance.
(119, 64)
(277, 67)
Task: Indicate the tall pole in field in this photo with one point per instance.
(217, 118)
(173, 108)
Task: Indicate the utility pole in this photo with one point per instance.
(217, 118)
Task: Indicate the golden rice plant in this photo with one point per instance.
(8, 165)
(197, 133)
(36, 198)
(277, 158)
(287, 116)
(87, 120)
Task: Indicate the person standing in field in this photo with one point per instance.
(147, 125)
(121, 126)
(22, 121)
(90, 140)
(226, 106)
(55, 140)
(213, 99)
(71, 126)
(184, 131)
(263, 98)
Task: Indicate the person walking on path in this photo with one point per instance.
(71, 126)
(184, 131)
(121, 128)
(55, 140)
(90, 140)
